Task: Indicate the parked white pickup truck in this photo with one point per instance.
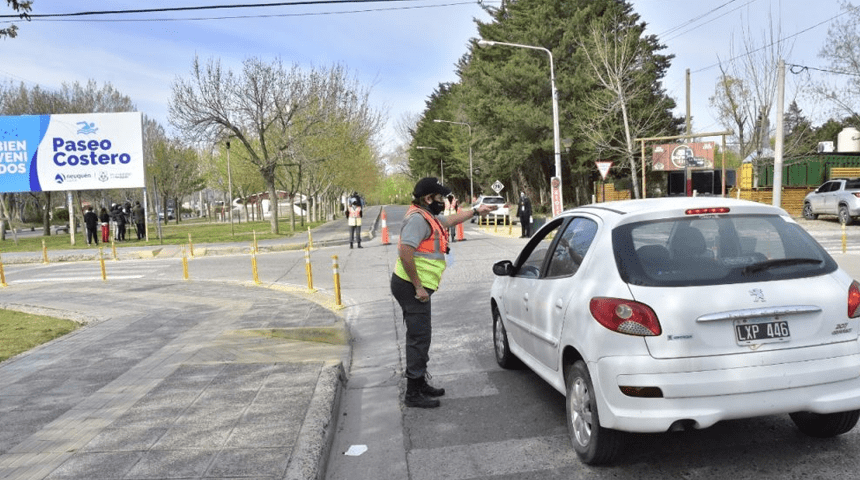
(840, 197)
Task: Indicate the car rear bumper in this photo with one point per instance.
(708, 390)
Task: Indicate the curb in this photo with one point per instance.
(311, 452)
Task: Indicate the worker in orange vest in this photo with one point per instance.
(420, 262)
(354, 213)
(452, 206)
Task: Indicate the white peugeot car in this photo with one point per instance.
(674, 313)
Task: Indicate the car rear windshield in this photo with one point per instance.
(854, 183)
(494, 200)
(717, 249)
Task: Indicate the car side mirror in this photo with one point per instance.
(504, 268)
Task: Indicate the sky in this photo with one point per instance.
(400, 49)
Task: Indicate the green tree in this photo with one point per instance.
(507, 92)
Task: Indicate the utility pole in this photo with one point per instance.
(780, 119)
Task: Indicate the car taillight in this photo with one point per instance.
(625, 316)
(857, 194)
(854, 300)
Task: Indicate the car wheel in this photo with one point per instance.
(593, 444)
(504, 357)
(825, 425)
(844, 217)
(807, 212)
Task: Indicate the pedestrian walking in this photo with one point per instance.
(525, 213)
(418, 271)
(104, 218)
(139, 218)
(91, 220)
(354, 213)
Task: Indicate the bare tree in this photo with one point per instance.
(745, 94)
(266, 108)
(615, 57)
(842, 50)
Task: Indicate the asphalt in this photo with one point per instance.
(173, 379)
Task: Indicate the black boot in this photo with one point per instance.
(429, 390)
(415, 397)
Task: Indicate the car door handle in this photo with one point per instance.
(559, 304)
(525, 297)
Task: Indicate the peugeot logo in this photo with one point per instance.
(758, 295)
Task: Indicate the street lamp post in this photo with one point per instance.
(441, 166)
(471, 183)
(556, 182)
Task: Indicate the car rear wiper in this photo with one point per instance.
(777, 262)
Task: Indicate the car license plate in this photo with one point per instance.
(749, 331)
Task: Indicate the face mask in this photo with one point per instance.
(436, 207)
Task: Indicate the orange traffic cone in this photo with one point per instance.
(460, 236)
(385, 240)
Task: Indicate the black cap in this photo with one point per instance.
(429, 186)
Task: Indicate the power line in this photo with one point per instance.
(798, 69)
(746, 54)
(268, 15)
(197, 8)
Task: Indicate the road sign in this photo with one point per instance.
(497, 186)
(603, 167)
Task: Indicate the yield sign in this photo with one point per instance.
(603, 167)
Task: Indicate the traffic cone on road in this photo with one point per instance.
(460, 236)
(385, 240)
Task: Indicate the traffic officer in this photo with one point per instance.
(420, 263)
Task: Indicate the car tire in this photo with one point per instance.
(844, 216)
(593, 444)
(825, 425)
(504, 357)
(807, 212)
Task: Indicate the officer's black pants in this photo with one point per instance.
(416, 316)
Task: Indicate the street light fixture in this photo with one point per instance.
(471, 183)
(441, 167)
(556, 182)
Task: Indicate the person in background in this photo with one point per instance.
(139, 218)
(104, 218)
(91, 220)
(420, 262)
(525, 213)
(452, 206)
(354, 214)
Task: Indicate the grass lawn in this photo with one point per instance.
(20, 332)
(201, 231)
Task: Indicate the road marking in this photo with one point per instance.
(76, 279)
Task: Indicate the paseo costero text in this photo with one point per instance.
(13, 155)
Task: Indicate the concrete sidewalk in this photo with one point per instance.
(174, 380)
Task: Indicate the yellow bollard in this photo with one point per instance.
(308, 270)
(510, 227)
(113, 249)
(184, 264)
(336, 281)
(310, 239)
(256, 247)
(844, 239)
(190, 246)
(44, 252)
(254, 261)
(102, 262)
(2, 275)
(495, 223)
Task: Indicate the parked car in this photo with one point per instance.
(500, 215)
(840, 197)
(675, 313)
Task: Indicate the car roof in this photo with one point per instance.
(622, 211)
